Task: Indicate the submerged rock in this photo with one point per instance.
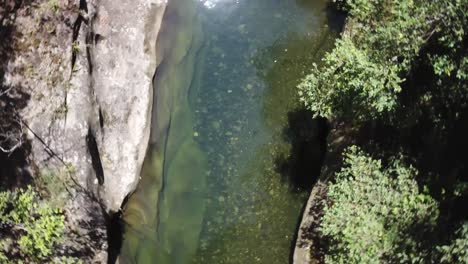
(164, 216)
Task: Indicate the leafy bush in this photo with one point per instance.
(42, 233)
(392, 32)
(38, 226)
(348, 76)
(376, 213)
(385, 40)
(457, 250)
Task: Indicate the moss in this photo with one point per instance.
(52, 184)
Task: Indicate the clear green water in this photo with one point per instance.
(211, 188)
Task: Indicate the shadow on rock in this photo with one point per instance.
(307, 136)
(15, 148)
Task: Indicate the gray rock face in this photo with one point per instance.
(104, 128)
(88, 74)
(123, 63)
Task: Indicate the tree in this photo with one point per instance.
(385, 44)
(457, 250)
(377, 214)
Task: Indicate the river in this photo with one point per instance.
(232, 155)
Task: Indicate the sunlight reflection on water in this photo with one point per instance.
(212, 3)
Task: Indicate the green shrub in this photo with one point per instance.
(376, 213)
(392, 32)
(42, 233)
(4, 200)
(457, 250)
(348, 76)
(23, 202)
(35, 227)
(363, 76)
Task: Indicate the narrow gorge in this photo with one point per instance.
(233, 131)
(171, 131)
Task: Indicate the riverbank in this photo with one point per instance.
(76, 86)
(391, 97)
(309, 244)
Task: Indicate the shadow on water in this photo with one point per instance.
(335, 17)
(304, 135)
(308, 139)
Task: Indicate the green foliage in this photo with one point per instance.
(4, 199)
(38, 226)
(76, 47)
(23, 204)
(384, 41)
(457, 250)
(42, 233)
(374, 211)
(404, 62)
(3, 258)
(335, 85)
(392, 32)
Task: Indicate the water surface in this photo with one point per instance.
(232, 156)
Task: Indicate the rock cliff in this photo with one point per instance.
(84, 69)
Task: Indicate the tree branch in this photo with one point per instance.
(6, 91)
